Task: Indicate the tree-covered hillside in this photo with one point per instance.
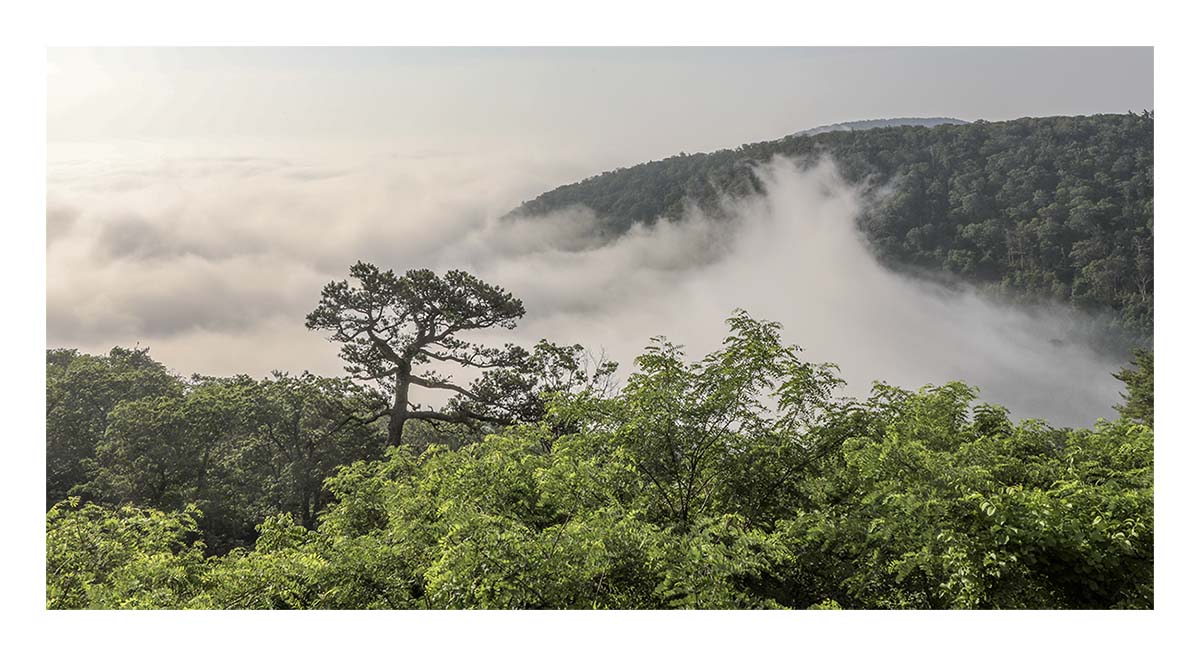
(1057, 208)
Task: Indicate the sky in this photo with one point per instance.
(621, 104)
(198, 199)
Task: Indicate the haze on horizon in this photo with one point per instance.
(623, 104)
(198, 199)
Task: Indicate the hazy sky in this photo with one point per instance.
(621, 105)
(198, 200)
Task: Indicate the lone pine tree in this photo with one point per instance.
(390, 325)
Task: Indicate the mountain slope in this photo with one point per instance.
(1036, 208)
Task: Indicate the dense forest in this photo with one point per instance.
(741, 479)
(1035, 209)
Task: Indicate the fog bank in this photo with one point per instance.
(793, 255)
(213, 262)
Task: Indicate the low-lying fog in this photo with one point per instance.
(214, 261)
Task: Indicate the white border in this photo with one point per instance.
(616, 22)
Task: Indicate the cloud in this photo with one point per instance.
(793, 255)
(59, 221)
(213, 262)
(161, 245)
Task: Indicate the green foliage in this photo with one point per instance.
(392, 327)
(938, 511)
(707, 436)
(388, 324)
(238, 449)
(126, 557)
(1035, 208)
(81, 391)
(735, 481)
(1139, 388)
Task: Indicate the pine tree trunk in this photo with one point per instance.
(399, 406)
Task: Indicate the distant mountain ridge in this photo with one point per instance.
(1054, 208)
(871, 124)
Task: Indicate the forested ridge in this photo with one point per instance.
(882, 123)
(737, 479)
(1034, 209)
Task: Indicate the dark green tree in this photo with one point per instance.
(237, 449)
(390, 326)
(305, 428)
(393, 328)
(1139, 388)
(81, 391)
(171, 452)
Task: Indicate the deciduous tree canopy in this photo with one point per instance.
(740, 480)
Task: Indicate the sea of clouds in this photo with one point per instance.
(213, 260)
